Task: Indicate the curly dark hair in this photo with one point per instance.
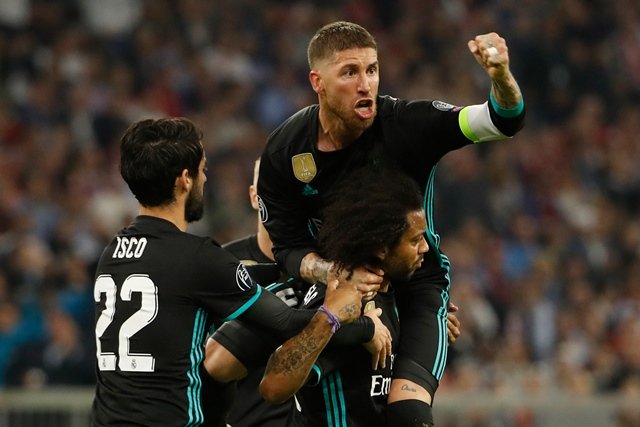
(367, 214)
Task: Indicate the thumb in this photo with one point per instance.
(472, 45)
(332, 284)
(378, 312)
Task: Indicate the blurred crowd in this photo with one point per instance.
(543, 231)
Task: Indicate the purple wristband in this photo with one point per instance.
(332, 319)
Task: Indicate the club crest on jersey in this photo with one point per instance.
(443, 106)
(262, 210)
(304, 167)
(243, 280)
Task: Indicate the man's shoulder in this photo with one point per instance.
(246, 249)
(295, 131)
(391, 106)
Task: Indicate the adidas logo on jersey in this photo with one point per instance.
(309, 191)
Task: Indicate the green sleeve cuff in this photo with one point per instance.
(506, 112)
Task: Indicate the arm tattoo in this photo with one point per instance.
(507, 92)
(289, 361)
(314, 269)
(406, 387)
(297, 355)
(350, 311)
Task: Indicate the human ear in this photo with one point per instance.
(315, 80)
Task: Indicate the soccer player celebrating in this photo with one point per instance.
(352, 125)
(158, 289)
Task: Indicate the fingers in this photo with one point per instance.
(367, 281)
(379, 359)
(452, 308)
(388, 353)
(453, 328)
(375, 358)
(453, 319)
(332, 284)
(490, 50)
(376, 271)
(368, 296)
(380, 345)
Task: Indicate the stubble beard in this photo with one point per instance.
(350, 123)
(400, 273)
(194, 206)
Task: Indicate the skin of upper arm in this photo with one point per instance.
(221, 364)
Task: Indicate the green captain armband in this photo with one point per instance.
(507, 113)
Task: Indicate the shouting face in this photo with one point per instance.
(347, 86)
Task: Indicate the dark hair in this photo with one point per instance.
(336, 37)
(367, 213)
(153, 153)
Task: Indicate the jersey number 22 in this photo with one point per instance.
(127, 361)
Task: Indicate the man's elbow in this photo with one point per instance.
(221, 364)
(273, 390)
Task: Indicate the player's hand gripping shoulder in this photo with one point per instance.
(367, 280)
(491, 52)
(315, 269)
(380, 344)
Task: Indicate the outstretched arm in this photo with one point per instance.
(491, 52)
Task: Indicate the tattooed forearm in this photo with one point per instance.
(506, 91)
(314, 269)
(289, 366)
(293, 354)
(350, 311)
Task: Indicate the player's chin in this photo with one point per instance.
(362, 123)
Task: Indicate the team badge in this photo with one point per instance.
(443, 106)
(304, 167)
(371, 305)
(243, 280)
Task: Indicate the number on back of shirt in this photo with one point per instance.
(125, 360)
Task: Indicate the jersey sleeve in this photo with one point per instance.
(251, 347)
(225, 287)
(255, 333)
(438, 127)
(282, 214)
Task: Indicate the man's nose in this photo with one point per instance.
(363, 83)
(424, 246)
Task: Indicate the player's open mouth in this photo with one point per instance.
(365, 109)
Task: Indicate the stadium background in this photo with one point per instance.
(543, 231)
